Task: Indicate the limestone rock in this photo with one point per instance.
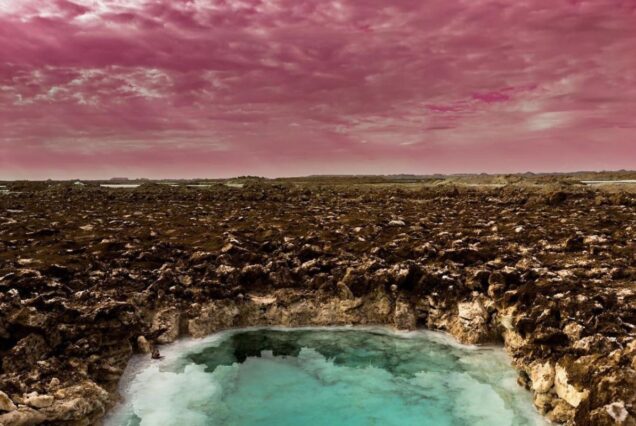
(542, 376)
(617, 411)
(573, 330)
(36, 400)
(543, 402)
(471, 324)
(404, 316)
(5, 403)
(561, 413)
(506, 318)
(166, 322)
(23, 416)
(77, 402)
(565, 390)
(343, 291)
(143, 345)
(25, 353)
(263, 300)
(213, 317)
(472, 312)
(169, 260)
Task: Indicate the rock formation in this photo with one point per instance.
(89, 276)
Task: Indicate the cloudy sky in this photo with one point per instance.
(207, 88)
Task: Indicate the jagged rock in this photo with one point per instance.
(36, 400)
(263, 256)
(617, 411)
(404, 316)
(215, 316)
(75, 403)
(200, 256)
(473, 312)
(185, 280)
(542, 376)
(5, 403)
(465, 256)
(550, 336)
(30, 317)
(166, 324)
(561, 412)
(24, 416)
(565, 390)
(496, 284)
(61, 272)
(309, 252)
(343, 291)
(225, 270)
(471, 325)
(253, 273)
(143, 345)
(263, 300)
(478, 280)
(573, 330)
(25, 353)
(233, 249)
(543, 402)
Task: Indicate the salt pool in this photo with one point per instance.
(323, 376)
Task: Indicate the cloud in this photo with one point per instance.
(299, 86)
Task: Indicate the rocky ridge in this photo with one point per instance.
(90, 276)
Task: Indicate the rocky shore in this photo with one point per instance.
(89, 276)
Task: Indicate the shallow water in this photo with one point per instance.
(120, 185)
(609, 182)
(324, 377)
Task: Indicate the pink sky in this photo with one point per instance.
(209, 88)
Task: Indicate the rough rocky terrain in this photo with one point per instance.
(89, 276)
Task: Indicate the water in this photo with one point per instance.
(329, 376)
(120, 185)
(609, 182)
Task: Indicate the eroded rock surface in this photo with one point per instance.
(90, 276)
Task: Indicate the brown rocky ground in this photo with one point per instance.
(89, 276)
